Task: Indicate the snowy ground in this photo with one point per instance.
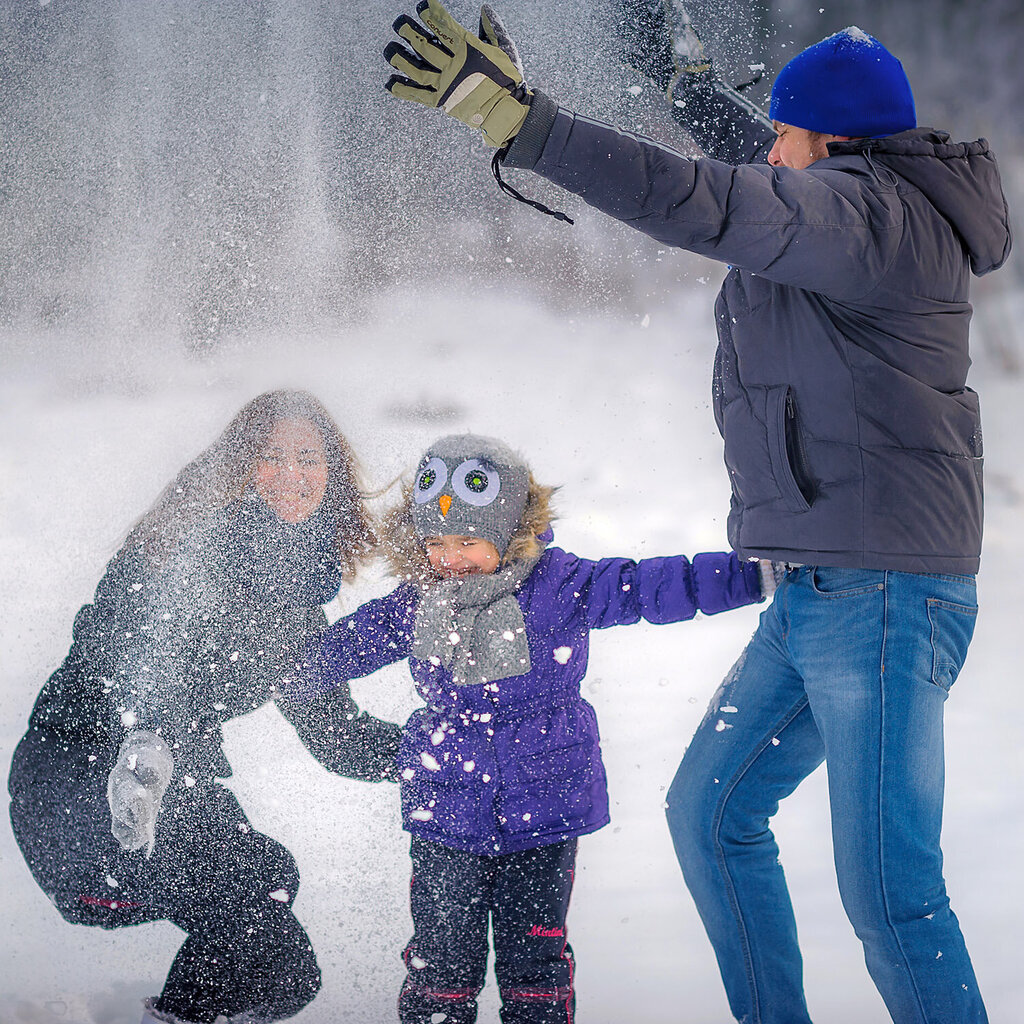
(617, 412)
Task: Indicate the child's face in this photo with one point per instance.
(453, 556)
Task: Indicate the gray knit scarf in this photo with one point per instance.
(474, 625)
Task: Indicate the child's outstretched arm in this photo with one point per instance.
(619, 591)
(376, 634)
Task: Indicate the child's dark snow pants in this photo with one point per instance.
(211, 873)
(526, 897)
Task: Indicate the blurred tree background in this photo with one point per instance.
(186, 170)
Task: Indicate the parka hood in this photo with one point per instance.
(960, 179)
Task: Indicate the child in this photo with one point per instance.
(501, 771)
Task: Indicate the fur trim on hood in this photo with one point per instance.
(408, 560)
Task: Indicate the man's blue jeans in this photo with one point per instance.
(852, 667)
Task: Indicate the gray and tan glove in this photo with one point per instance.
(476, 79)
(136, 787)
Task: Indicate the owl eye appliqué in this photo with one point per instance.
(475, 482)
(430, 480)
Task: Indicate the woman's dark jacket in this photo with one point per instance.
(208, 634)
(851, 437)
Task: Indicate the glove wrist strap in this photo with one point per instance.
(518, 196)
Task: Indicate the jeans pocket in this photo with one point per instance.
(952, 626)
(833, 583)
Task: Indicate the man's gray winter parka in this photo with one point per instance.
(851, 437)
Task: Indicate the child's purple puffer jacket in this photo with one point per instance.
(514, 764)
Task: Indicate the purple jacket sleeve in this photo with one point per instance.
(723, 581)
(376, 634)
(619, 591)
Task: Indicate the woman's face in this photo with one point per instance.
(291, 471)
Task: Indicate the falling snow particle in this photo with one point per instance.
(421, 814)
(775, 741)
(129, 719)
(429, 762)
(468, 766)
(562, 654)
(418, 962)
(281, 895)
(112, 882)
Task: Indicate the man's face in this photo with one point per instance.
(797, 147)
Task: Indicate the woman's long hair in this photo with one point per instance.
(223, 472)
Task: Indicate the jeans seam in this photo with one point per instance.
(723, 864)
(881, 812)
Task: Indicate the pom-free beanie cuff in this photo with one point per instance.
(848, 84)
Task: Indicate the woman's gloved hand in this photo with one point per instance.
(136, 787)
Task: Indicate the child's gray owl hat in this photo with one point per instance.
(470, 486)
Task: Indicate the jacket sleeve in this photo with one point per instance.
(659, 41)
(137, 637)
(720, 119)
(619, 591)
(825, 230)
(342, 738)
(376, 634)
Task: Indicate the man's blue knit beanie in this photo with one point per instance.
(848, 84)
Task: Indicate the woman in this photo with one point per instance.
(115, 794)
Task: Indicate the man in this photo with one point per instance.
(854, 450)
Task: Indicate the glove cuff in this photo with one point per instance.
(526, 148)
(158, 761)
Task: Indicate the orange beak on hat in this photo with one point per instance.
(445, 501)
